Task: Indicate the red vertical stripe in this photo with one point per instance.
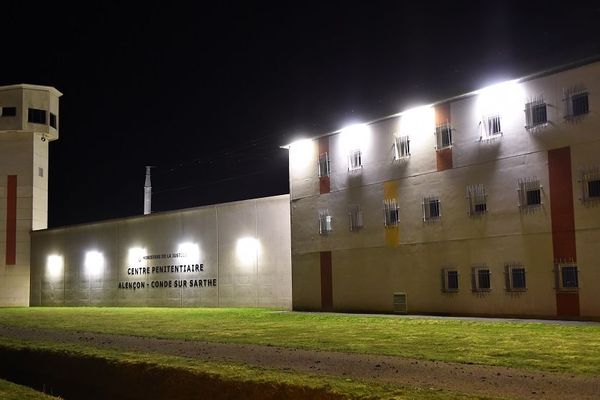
(11, 220)
(324, 181)
(563, 221)
(326, 281)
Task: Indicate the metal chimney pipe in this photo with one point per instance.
(147, 192)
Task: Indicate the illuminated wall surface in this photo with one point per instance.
(234, 254)
(505, 180)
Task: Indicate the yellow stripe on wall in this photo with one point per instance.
(392, 234)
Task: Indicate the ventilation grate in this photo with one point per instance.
(400, 303)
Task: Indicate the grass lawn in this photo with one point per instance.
(550, 347)
(12, 391)
(235, 373)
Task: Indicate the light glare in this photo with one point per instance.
(94, 262)
(354, 137)
(247, 250)
(191, 252)
(135, 256)
(54, 265)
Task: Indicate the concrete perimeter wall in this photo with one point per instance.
(234, 254)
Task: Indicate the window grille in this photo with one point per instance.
(355, 217)
(515, 277)
(481, 279)
(53, 120)
(401, 147)
(476, 199)
(431, 208)
(530, 192)
(576, 102)
(354, 160)
(590, 185)
(536, 114)
(8, 111)
(390, 212)
(492, 127)
(399, 303)
(325, 222)
(567, 276)
(36, 116)
(449, 280)
(443, 135)
(324, 166)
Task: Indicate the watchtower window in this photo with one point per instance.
(36, 116)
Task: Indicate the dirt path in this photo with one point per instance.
(465, 378)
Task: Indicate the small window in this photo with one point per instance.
(491, 127)
(449, 280)
(354, 160)
(53, 120)
(535, 114)
(431, 208)
(530, 192)
(590, 185)
(515, 277)
(476, 200)
(401, 147)
(40, 172)
(443, 135)
(481, 279)
(576, 102)
(325, 222)
(390, 212)
(8, 111)
(36, 116)
(324, 166)
(355, 218)
(567, 277)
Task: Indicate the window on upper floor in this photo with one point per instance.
(53, 120)
(325, 222)
(324, 165)
(401, 147)
(481, 279)
(8, 111)
(355, 218)
(390, 213)
(491, 127)
(443, 136)
(476, 200)
(354, 160)
(567, 276)
(36, 116)
(515, 277)
(449, 280)
(535, 113)
(432, 208)
(590, 185)
(529, 192)
(576, 102)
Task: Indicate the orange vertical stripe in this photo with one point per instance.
(442, 114)
(324, 181)
(11, 220)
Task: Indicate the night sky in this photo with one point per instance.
(208, 93)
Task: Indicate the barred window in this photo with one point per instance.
(567, 276)
(390, 212)
(535, 113)
(36, 116)
(53, 120)
(590, 184)
(355, 217)
(476, 199)
(431, 208)
(491, 127)
(401, 147)
(515, 277)
(443, 135)
(8, 111)
(325, 222)
(576, 102)
(324, 166)
(449, 280)
(354, 160)
(529, 192)
(481, 279)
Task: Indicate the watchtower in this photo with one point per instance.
(28, 122)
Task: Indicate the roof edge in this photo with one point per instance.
(50, 89)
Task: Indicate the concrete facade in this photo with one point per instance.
(24, 138)
(550, 235)
(234, 254)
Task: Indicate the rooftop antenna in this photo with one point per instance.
(148, 192)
